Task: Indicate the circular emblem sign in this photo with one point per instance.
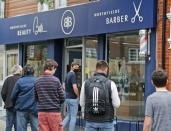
(68, 22)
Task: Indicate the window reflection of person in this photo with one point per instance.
(135, 77)
(123, 80)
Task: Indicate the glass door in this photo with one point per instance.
(74, 53)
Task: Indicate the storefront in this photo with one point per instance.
(85, 33)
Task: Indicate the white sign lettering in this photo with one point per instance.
(37, 28)
(24, 32)
(117, 19)
(67, 22)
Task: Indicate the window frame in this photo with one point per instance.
(45, 6)
(2, 9)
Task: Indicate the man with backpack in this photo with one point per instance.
(99, 97)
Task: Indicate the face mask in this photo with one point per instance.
(76, 70)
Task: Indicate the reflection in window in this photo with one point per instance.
(74, 41)
(12, 57)
(91, 56)
(128, 72)
(36, 54)
(1, 74)
(62, 3)
(51, 4)
(1, 66)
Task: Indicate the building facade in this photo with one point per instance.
(86, 31)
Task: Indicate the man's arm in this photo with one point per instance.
(74, 85)
(35, 92)
(4, 90)
(147, 123)
(114, 95)
(82, 95)
(149, 112)
(61, 92)
(76, 90)
(63, 85)
(15, 92)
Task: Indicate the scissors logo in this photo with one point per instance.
(137, 13)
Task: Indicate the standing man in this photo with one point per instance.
(158, 105)
(7, 88)
(23, 98)
(49, 95)
(72, 96)
(99, 97)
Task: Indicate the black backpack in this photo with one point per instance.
(97, 96)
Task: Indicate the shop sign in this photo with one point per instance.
(104, 16)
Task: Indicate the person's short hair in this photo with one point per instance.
(102, 65)
(74, 63)
(159, 78)
(16, 69)
(29, 69)
(50, 64)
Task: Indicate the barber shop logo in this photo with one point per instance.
(68, 22)
(140, 18)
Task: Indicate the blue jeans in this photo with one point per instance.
(72, 109)
(10, 119)
(94, 126)
(26, 117)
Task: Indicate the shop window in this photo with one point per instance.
(91, 56)
(127, 70)
(2, 9)
(134, 55)
(35, 54)
(11, 57)
(51, 4)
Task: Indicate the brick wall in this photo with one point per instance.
(73, 2)
(20, 7)
(159, 40)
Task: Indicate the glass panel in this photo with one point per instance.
(12, 59)
(62, 3)
(128, 72)
(51, 4)
(36, 54)
(1, 66)
(12, 47)
(2, 9)
(74, 41)
(75, 55)
(1, 74)
(91, 56)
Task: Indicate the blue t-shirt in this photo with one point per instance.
(69, 81)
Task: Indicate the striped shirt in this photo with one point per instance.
(49, 93)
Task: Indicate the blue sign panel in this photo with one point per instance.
(93, 18)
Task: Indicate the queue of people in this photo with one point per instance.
(38, 101)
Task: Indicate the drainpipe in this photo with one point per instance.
(163, 34)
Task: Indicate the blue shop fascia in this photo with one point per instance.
(85, 33)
